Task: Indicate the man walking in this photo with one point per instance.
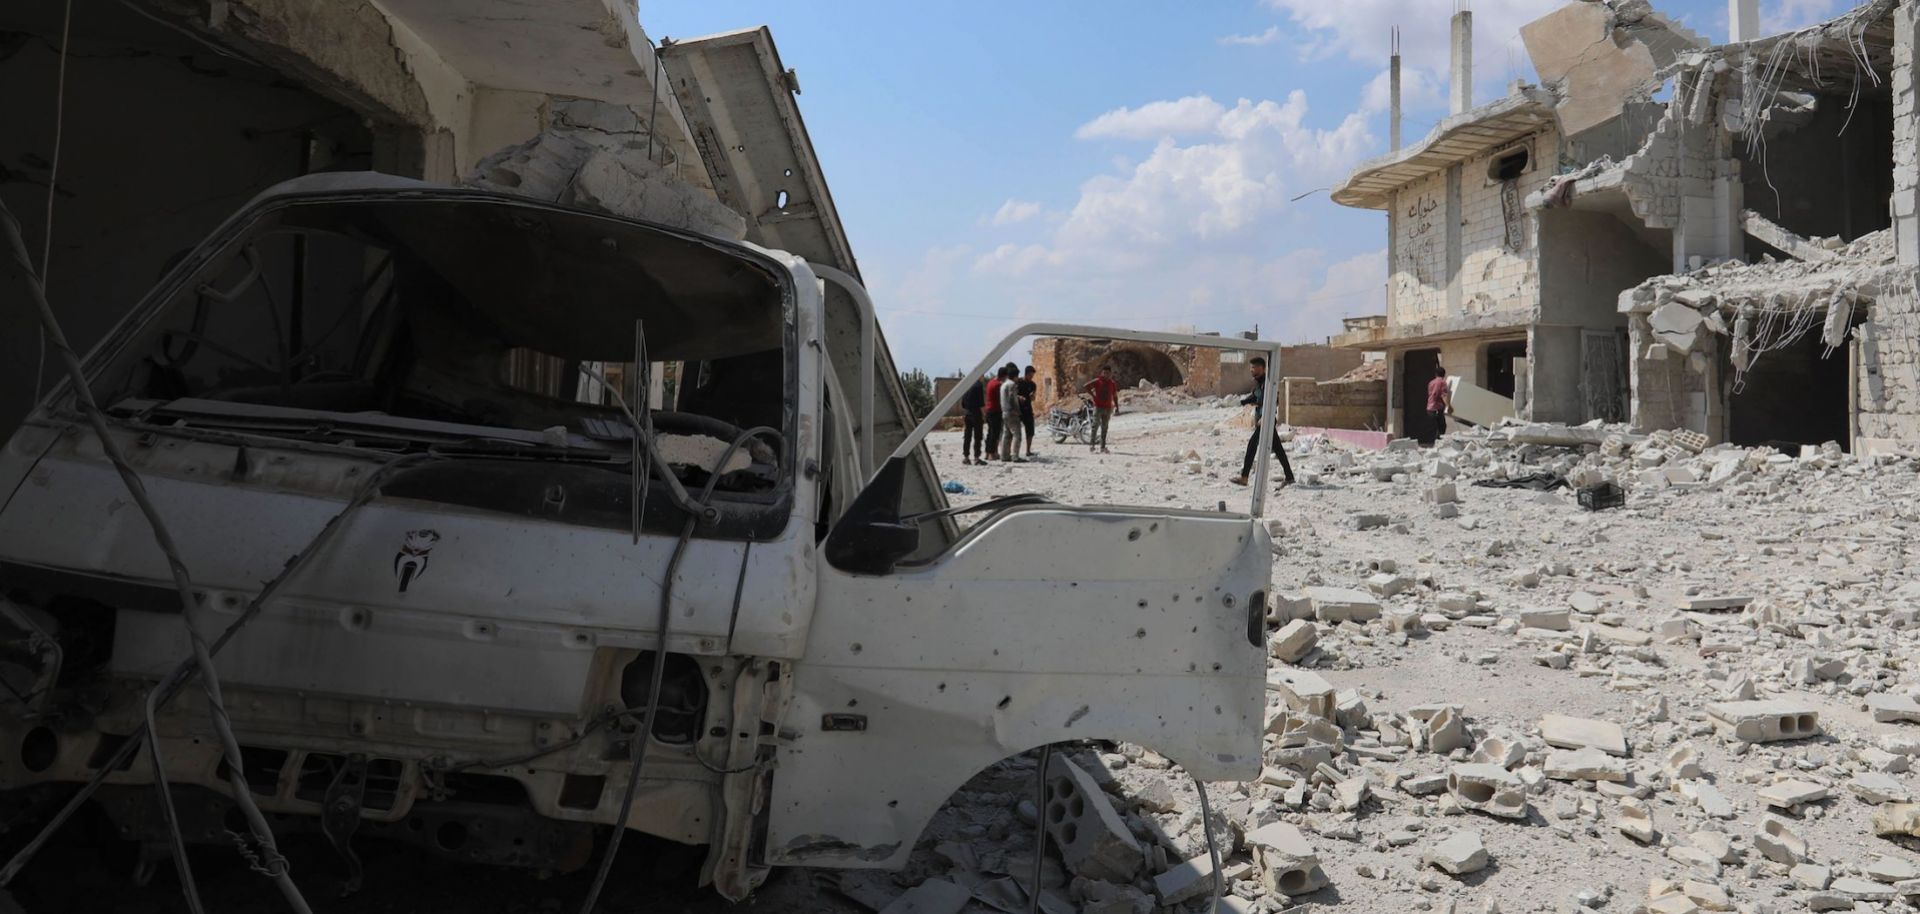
(1028, 387)
(993, 413)
(1010, 413)
(1439, 404)
(973, 430)
(1106, 402)
(1258, 366)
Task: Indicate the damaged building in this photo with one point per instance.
(1063, 366)
(1663, 232)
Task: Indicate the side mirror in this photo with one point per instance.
(871, 537)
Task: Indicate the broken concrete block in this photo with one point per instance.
(1776, 842)
(1875, 787)
(1739, 687)
(1630, 637)
(1707, 797)
(1861, 889)
(934, 896)
(1715, 604)
(1676, 325)
(1764, 721)
(1294, 640)
(1715, 845)
(1340, 604)
(1288, 864)
(1893, 819)
(1554, 620)
(1488, 788)
(1790, 793)
(1461, 853)
(1811, 876)
(1447, 731)
(1587, 764)
(1892, 869)
(1682, 762)
(1422, 785)
(1092, 838)
(1494, 750)
(1672, 903)
(1387, 585)
(1443, 494)
(1447, 511)
(1565, 732)
(1303, 691)
(1708, 896)
(1893, 708)
(1186, 881)
(1103, 898)
(1677, 629)
(1635, 821)
(1364, 521)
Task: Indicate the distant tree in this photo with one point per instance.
(920, 397)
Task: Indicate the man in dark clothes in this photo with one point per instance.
(993, 412)
(1028, 387)
(973, 429)
(1258, 366)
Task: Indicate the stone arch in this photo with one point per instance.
(1131, 364)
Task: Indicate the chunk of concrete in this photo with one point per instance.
(1367, 521)
(1565, 732)
(1093, 840)
(1811, 876)
(1776, 842)
(1495, 750)
(934, 896)
(1892, 869)
(1716, 604)
(1340, 604)
(1488, 788)
(1707, 797)
(1294, 640)
(1287, 862)
(1893, 708)
(1186, 881)
(1553, 620)
(1790, 793)
(1874, 787)
(1303, 691)
(1443, 494)
(1447, 731)
(1587, 764)
(1896, 819)
(1708, 896)
(1676, 325)
(1387, 585)
(1764, 721)
(1636, 822)
(1682, 762)
(1459, 854)
(1862, 889)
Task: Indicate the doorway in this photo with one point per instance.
(1416, 369)
(1792, 396)
(1499, 366)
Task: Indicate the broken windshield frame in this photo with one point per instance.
(501, 276)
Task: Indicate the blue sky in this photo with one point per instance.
(1122, 163)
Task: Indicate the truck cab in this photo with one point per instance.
(469, 485)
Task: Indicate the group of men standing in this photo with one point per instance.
(998, 411)
(996, 414)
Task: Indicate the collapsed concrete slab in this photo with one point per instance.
(563, 167)
(1564, 732)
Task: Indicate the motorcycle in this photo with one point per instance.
(1076, 423)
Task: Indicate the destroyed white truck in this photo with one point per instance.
(401, 404)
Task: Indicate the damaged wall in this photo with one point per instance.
(1577, 370)
(163, 139)
(1462, 241)
(1823, 172)
(1064, 366)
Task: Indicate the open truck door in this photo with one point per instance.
(1042, 623)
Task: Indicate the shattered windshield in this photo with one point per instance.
(466, 325)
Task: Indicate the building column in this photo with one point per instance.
(1905, 205)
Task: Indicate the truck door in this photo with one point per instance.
(1042, 623)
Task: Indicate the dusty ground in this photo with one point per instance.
(1826, 549)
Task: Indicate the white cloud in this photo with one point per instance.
(1271, 36)
(1260, 154)
(1013, 259)
(1787, 15)
(1418, 89)
(1181, 117)
(1361, 29)
(1015, 211)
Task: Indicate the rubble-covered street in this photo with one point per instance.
(1595, 671)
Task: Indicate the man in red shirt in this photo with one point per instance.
(1439, 404)
(1106, 402)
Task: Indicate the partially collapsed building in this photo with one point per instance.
(1665, 232)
